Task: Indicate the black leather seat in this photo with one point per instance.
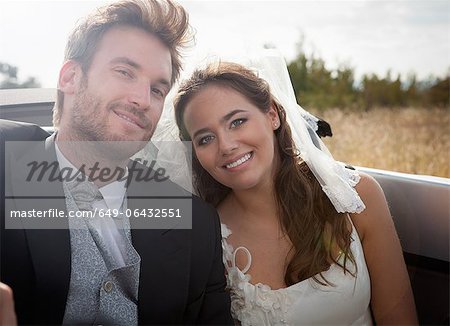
(20, 131)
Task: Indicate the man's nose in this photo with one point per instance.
(140, 96)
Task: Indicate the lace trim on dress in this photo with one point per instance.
(345, 199)
(247, 297)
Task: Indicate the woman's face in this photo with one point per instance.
(233, 139)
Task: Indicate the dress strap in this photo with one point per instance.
(229, 254)
(249, 259)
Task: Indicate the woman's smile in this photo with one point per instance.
(234, 164)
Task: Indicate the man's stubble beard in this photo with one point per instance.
(86, 126)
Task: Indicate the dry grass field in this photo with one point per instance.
(404, 140)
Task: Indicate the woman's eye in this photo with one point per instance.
(205, 140)
(237, 122)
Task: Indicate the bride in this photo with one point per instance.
(305, 240)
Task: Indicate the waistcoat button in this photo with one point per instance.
(108, 286)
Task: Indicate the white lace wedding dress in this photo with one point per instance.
(303, 303)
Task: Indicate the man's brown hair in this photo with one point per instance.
(165, 19)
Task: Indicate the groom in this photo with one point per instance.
(120, 63)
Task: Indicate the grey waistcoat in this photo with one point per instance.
(99, 291)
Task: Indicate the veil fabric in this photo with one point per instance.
(337, 181)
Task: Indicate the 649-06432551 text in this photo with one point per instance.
(99, 213)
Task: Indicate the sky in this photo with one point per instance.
(403, 36)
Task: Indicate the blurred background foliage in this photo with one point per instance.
(8, 78)
(396, 123)
(321, 88)
(318, 87)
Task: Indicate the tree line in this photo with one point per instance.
(318, 87)
(8, 74)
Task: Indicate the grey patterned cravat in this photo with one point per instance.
(84, 193)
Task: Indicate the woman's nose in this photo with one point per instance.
(227, 144)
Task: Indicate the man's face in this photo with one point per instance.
(121, 96)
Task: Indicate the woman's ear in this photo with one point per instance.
(69, 77)
(274, 117)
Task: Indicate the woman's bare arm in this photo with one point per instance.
(392, 300)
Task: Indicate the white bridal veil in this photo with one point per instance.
(337, 181)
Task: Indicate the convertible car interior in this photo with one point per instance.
(420, 205)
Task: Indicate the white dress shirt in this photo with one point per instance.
(110, 228)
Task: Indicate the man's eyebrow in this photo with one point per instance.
(131, 63)
(225, 118)
(126, 61)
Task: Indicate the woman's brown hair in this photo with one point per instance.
(306, 214)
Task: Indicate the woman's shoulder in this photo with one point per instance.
(376, 209)
(367, 186)
(371, 193)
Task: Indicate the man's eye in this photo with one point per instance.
(157, 91)
(237, 122)
(124, 73)
(205, 140)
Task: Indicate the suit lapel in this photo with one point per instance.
(165, 263)
(50, 248)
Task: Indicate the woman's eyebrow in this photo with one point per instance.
(229, 115)
(225, 118)
(200, 131)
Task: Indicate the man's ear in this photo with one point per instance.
(69, 77)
